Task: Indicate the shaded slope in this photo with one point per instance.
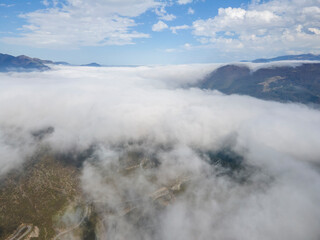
(22, 63)
(283, 83)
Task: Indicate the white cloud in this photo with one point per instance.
(168, 17)
(46, 3)
(187, 45)
(184, 1)
(162, 13)
(170, 50)
(159, 26)
(314, 30)
(190, 11)
(6, 5)
(83, 23)
(146, 109)
(283, 26)
(182, 27)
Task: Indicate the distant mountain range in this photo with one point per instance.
(8, 62)
(280, 83)
(25, 63)
(92, 65)
(302, 57)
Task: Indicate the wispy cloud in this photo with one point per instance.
(184, 1)
(163, 15)
(83, 23)
(159, 26)
(6, 5)
(176, 28)
(191, 11)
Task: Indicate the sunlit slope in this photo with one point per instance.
(274, 82)
(36, 194)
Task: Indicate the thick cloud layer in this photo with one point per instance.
(132, 117)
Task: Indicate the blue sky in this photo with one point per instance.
(119, 32)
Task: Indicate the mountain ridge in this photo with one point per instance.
(22, 63)
(278, 83)
(300, 57)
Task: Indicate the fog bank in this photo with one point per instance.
(146, 118)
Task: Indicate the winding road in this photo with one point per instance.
(74, 227)
(21, 232)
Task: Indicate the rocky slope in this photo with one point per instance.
(280, 83)
(35, 195)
